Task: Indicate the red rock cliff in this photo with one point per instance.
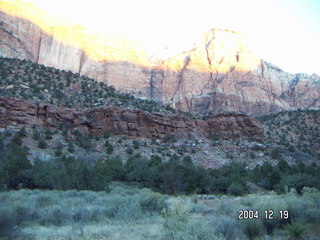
(17, 112)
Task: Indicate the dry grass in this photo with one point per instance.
(131, 213)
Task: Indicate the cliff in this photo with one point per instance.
(26, 113)
(220, 73)
(26, 32)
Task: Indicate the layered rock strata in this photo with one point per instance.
(220, 73)
(24, 113)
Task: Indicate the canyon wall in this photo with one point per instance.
(26, 113)
(220, 73)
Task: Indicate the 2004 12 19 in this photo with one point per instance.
(266, 214)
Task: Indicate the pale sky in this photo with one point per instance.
(284, 32)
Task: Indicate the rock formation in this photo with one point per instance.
(220, 73)
(28, 33)
(24, 113)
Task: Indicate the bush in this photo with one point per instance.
(238, 188)
(109, 147)
(153, 202)
(7, 223)
(45, 174)
(56, 215)
(135, 144)
(138, 170)
(253, 228)
(36, 134)
(22, 132)
(169, 139)
(17, 139)
(299, 181)
(15, 167)
(106, 135)
(126, 208)
(58, 152)
(178, 226)
(295, 230)
(173, 181)
(84, 141)
(42, 144)
(303, 208)
(106, 170)
(227, 226)
(276, 153)
(70, 148)
(48, 134)
(129, 151)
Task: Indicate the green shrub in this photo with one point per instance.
(42, 144)
(23, 212)
(58, 152)
(57, 215)
(303, 208)
(169, 139)
(129, 151)
(178, 225)
(106, 170)
(48, 134)
(15, 166)
(36, 134)
(227, 226)
(106, 135)
(153, 202)
(292, 148)
(137, 170)
(17, 139)
(109, 147)
(299, 181)
(276, 153)
(7, 223)
(295, 230)
(238, 188)
(253, 228)
(135, 144)
(45, 174)
(124, 207)
(70, 148)
(22, 132)
(73, 173)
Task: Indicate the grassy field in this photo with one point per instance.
(131, 213)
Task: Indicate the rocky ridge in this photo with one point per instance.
(137, 123)
(220, 73)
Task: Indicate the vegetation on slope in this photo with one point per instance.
(27, 80)
(63, 160)
(175, 176)
(294, 129)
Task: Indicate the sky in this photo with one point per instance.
(283, 32)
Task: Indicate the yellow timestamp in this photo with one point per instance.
(266, 214)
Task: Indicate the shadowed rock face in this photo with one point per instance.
(23, 113)
(219, 74)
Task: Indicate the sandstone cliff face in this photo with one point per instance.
(112, 59)
(16, 112)
(220, 73)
